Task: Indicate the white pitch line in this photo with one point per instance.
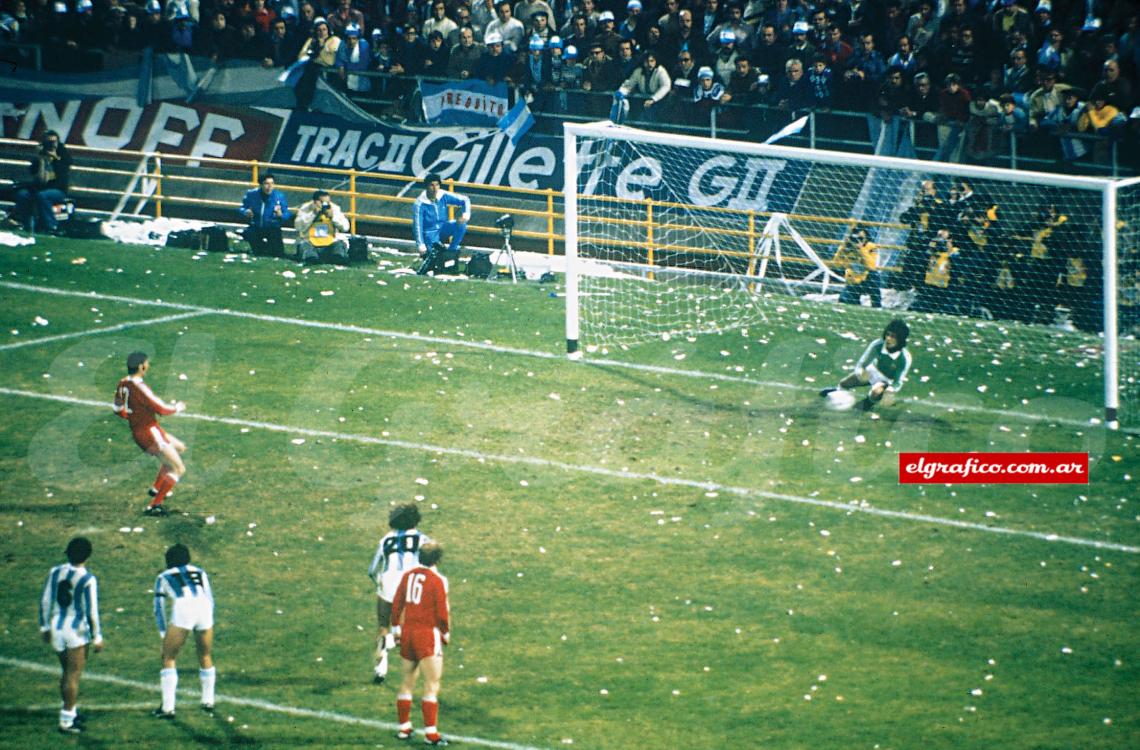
(547, 463)
(482, 345)
(107, 329)
(51, 708)
(307, 713)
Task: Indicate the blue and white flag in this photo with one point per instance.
(517, 122)
(791, 128)
(464, 103)
(292, 74)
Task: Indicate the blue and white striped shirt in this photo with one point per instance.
(71, 599)
(397, 551)
(177, 583)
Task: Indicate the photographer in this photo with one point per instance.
(431, 224)
(266, 209)
(318, 223)
(35, 200)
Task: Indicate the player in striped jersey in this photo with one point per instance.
(186, 589)
(421, 610)
(136, 402)
(69, 621)
(397, 553)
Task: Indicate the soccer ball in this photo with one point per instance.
(839, 400)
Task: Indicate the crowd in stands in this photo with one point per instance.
(1057, 67)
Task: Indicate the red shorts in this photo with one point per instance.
(420, 643)
(152, 439)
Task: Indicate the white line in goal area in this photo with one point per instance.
(499, 349)
(713, 229)
(547, 463)
(256, 703)
(106, 329)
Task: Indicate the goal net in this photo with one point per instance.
(670, 236)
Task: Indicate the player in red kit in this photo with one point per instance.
(136, 403)
(420, 609)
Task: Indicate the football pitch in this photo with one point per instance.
(672, 546)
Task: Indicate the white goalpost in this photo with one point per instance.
(677, 236)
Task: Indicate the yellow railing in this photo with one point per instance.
(168, 181)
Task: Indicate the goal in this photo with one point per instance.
(675, 236)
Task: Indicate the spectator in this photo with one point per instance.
(769, 53)
(727, 54)
(1017, 78)
(632, 27)
(687, 38)
(495, 64)
(1101, 118)
(904, 58)
(438, 56)
(684, 74)
(319, 51)
(482, 13)
(708, 94)
(262, 17)
(1114, 88)
(606, 34)
(281, 46)
(352, 57)
(922, 28)
(219, 41)
(578, 33)
(251, 45)
(744, 83)
(922, 103)
(953, 113)
(734, 22)
(782, 18)
(800, 48)
(966, 59)
(655, 43)
(1054, 56)
(462, 21)
(649, 80)
(509, 28)
(626, 61)
(266, 209)
(539, 25)
(465, 55)
(866, 69)
(1010, 18)
(533, 73)
(893, 95)
(1046, 101)
(525, 11)
(438, 21)
(670, 20)
(819, 32)
(182, 33)
(820, 78)
(891, 27)
(344, 16)
(321, 229)
(410, 54)
(793, 93)
(50, 171)
(836, 51)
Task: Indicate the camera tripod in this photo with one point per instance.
(511, 262)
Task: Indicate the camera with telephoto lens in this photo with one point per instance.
(505, 223)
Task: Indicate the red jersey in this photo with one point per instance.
(421, 601)
(136, 403)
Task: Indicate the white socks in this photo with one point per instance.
(168, 678)
(208, 676)
(66, 718)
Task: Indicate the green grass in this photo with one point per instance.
(632, 531)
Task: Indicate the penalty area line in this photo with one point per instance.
(547, 463)
(256, 703)
(107, 329)
(498, 349)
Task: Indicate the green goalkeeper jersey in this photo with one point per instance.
(893, 365)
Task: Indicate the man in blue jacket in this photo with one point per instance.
(431, 223)
(266, 209)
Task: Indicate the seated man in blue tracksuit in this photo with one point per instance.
(266, 209)
(431, 224)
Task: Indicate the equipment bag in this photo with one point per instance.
(479, 265)
(215, 240)
(83, 228)
(440, 260)
(187, 238)
(357, 249)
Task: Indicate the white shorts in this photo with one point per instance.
(389, 582)
(192, 613)
(872, 375)
(68, 637)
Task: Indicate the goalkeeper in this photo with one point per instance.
(884, 366)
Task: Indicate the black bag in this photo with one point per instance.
(187, 238)
(357, 249)
(215, 240)
(439, 259)
(479, 265)
(83, 228)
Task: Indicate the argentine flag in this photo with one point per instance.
(517, 122)
(790, 129)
